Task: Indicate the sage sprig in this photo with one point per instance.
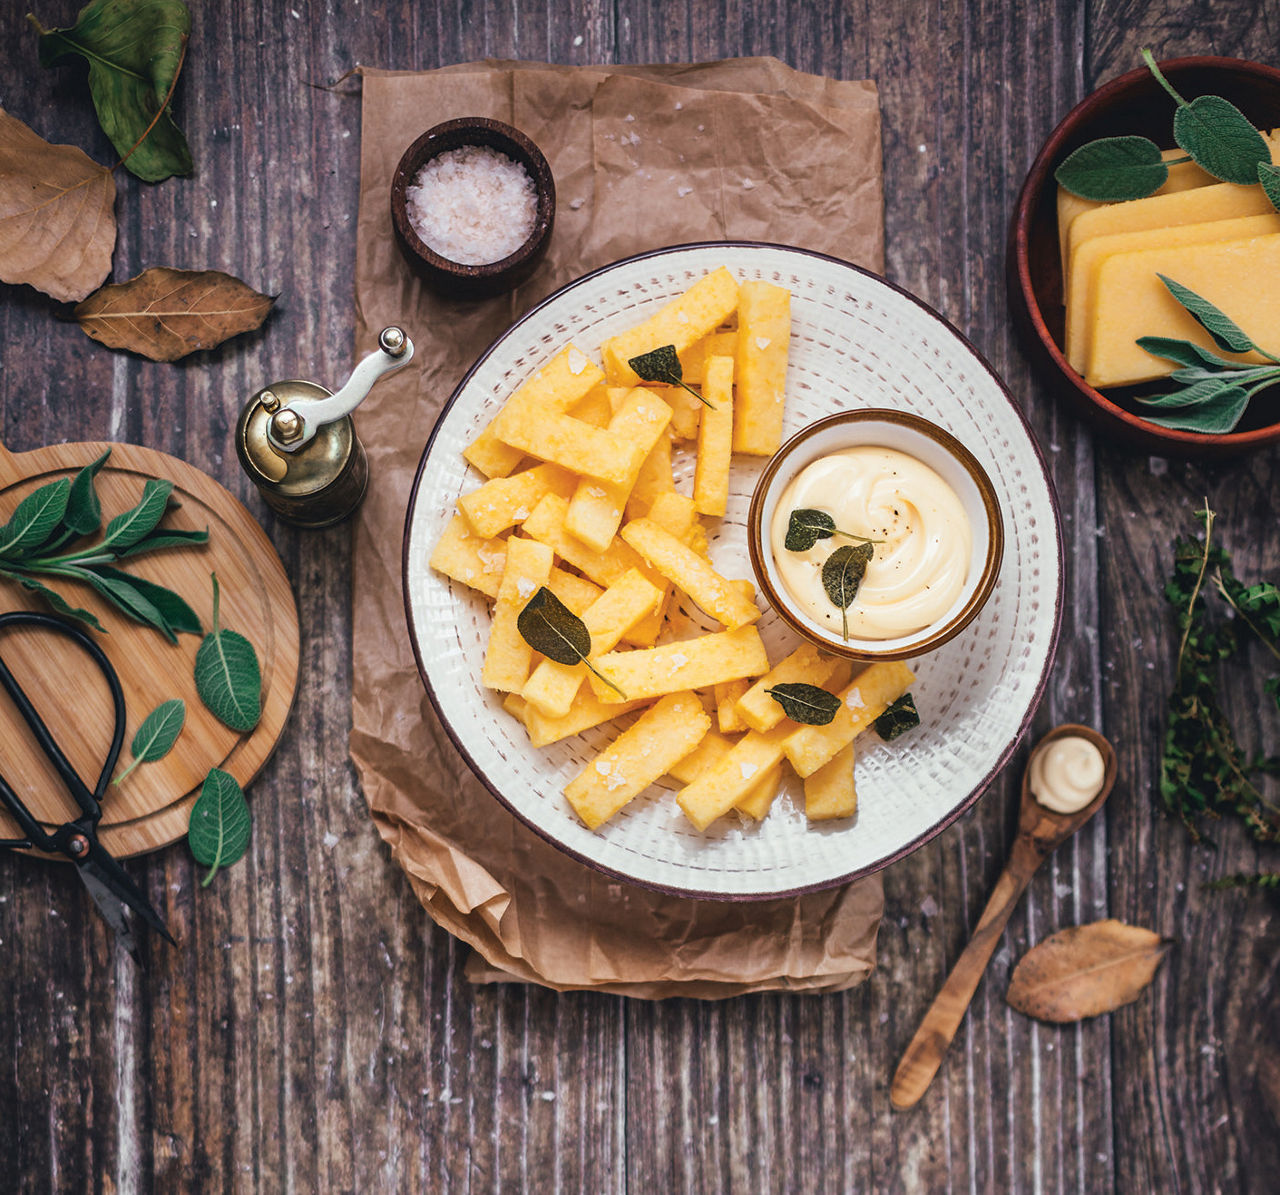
(805, 527)
(1212, 392)
(547, 625)
(663, 365)
(34, 544)
(807, 704)
(157, 734)
(842, 576)
(227, 675)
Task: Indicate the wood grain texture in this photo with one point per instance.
(316, 1033)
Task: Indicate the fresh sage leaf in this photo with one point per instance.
(35, 520)
(228, 678)
(1184, 352)
(806, 527)
(165, 538)
(1226, 333)
(548, 626)
(157, 734)
(1269, 179)
(1114, 169)
(1217, 414)
(135, 50)
(806, 703)
(1198, 392)
(134, 525)
(128, 599)
(218, 833)
(178, 616)
(663, 365)
(84, 511)
(900, 717)
(842, 575)
(56, 601)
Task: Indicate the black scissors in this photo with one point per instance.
(108, 883)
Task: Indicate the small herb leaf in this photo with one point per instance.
(1114, 169)
(84, 511)
(900, 717)
(806, 703)
(842, 575)
(1215, 414)
(1184, 352)
(178, 616)
(157, 734)
(166, 538)
(134, 525)
(806, 527)
(1269, 178)
(220, 823)
(1220, 139)
(122, 593)
(547, 625)
(56, 601)
(35, 520)
(227, 675)
(663, 365)
(1226, 333)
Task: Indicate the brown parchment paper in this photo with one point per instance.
(642, 157)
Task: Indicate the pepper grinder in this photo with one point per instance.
(298, 443)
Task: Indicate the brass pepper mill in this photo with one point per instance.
(298, 443)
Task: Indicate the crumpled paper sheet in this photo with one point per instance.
(642, 157)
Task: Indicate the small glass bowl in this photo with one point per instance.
(451, 278)
(917, 437)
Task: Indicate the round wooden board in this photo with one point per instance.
(151, 809)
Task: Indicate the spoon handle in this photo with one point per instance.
(924, 1055)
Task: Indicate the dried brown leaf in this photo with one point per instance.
(57, 214)
(1085, 971)
(165, 314)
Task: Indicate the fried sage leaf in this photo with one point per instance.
(806, 703)
(805, 527)
(900, 717)
(165, 314)
(842, 575)
(663, 365)
(547, 625)
(57, 215)
(134, 49)
(1085, 971)
(228, 678)
(157, 734)
(218, 833)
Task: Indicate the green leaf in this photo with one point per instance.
(842, 575)
(56, 601)
(35, 520)
(178, 616)
(166, 538)
(84, 511)
(122, 593)
(547, 625)
(806, 527)
(1197, 393)
(806, 703)
(1242, 879)
(1226, 333)
(218, 833)
(134, 49)
(157, 734)
(900, 717)
(663, 365)
(1218, 414)
(1114, 169)
(227, 675)
(1269, 178)
(129, 528)
(1184, 352)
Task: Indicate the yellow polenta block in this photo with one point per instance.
(806, 665)
(596, 507)
(467, 558)
(1238, 276)
(514, 704)
(693, 361)
(710, 749)
(829, 792)
(576, 592)
(759, 800)
(553, 686)
(637, 757)
(1082, 284)
(564, 440)
(715, 440)
(690, 664)
(674, 513)
(547, 524)
(559, 384)
(764, 341)
(587, 711)
(654, 479)
(871, 692)
(686, 412)
(506, 501)
(681, 323)
(731, 778)
(727, 717)
(594, 408)
(693, 573)
(508, 656)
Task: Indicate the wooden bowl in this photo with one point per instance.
(454, 279)
(1132, 104)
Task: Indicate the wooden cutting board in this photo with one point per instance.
(153, 806)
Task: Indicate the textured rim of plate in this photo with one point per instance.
(926, 835)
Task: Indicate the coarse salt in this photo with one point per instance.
(577, 361)
(749, 770)
(679, 660)
(854, 701)
(525, 587)
(472, 205)
(763, 342)
(604, 767)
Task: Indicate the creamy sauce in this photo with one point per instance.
(916, 573)
(1067, 774)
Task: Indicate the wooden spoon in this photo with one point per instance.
(1040, 831)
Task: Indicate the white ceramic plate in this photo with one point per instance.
(856, 341)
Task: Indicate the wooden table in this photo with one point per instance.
(317, 1033)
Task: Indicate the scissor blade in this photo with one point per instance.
(112, 909)
(110, 886)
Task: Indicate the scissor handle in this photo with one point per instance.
(88, 802)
